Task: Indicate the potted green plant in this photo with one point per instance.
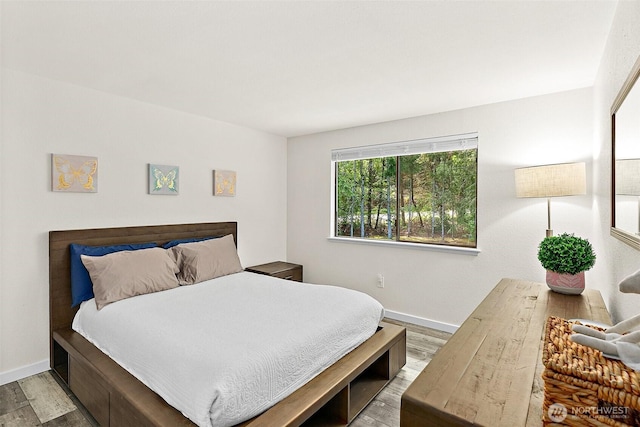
(566, 258)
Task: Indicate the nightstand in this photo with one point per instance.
(283, 270)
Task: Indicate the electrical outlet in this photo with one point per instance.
(380, 280)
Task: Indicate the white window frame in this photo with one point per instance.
(402, 148)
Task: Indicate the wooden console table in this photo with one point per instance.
(489, 372)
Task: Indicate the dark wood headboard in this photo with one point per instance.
(60, 311)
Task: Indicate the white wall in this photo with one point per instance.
(621, 52)
(446, 287)
(42, 116)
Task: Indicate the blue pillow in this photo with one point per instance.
(188, 240)
(81, 286)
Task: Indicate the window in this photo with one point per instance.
(421, 191)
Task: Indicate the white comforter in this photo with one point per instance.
(225, 350)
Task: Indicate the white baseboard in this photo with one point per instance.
(421, 321)
(23, 372)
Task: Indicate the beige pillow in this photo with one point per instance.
(206, 260)
(125, 274)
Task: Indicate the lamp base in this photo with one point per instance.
(549, 233)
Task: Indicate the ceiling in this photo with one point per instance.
(298, 67)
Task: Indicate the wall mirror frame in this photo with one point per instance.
(625, 168)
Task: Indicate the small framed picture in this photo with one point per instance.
(78, 174)
(164, 180)
(224, 183)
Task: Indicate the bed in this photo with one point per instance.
(115, 397)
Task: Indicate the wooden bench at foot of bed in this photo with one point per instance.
(333, 398)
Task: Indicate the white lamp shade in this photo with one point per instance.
(564, 179)
(628, 177)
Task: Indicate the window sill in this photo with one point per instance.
(409, 245)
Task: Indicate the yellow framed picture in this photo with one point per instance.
(76, 174)
(224, 183)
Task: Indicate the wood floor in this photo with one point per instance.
(40, 400)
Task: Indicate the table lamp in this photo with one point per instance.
(564, 179)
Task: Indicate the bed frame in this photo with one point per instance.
(115, 397)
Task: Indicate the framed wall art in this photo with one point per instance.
(164, 179)
(224, 183)
(77, 174)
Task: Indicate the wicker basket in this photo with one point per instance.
(584, 388)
